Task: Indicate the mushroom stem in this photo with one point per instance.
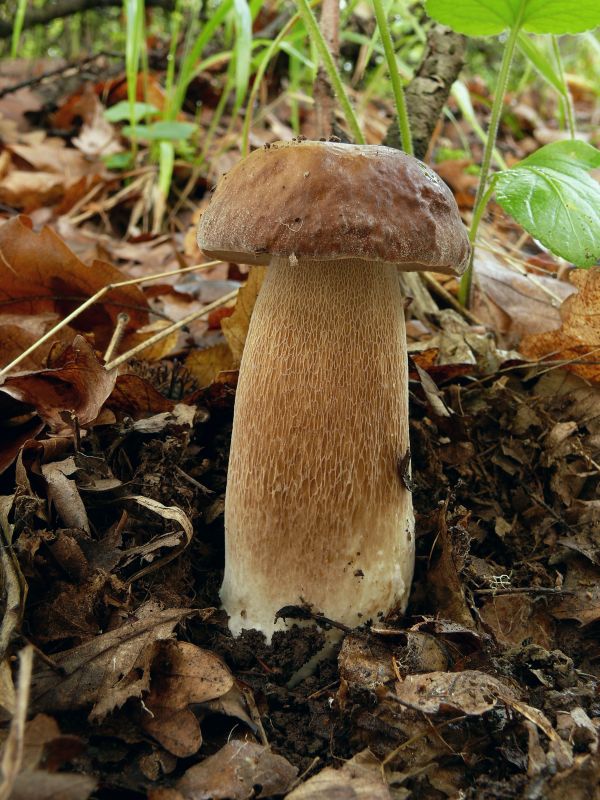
(316, 509)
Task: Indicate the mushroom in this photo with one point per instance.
(316, 507)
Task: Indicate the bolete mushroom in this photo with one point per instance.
(316, 508)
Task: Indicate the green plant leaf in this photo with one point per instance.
(551, 194)
(164, 130)
(122, 111)
(489, 17)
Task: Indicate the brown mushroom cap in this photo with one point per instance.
(327, 201)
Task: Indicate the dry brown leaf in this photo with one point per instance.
(183, 675)
(41, 785)
(359, 779)
(235, 327)
(19, 331)
(235, 771)
(578, 338)
(516, 617)
(206, 364)
(516, 304)
(29, 191)
(153, 352)
(40, 275)
(76, 385)
(63, 493)
(109, 669)
(583, 601)
(468, 692)
(137, 398)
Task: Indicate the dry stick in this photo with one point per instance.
(115, 339)
(171, 329)
(94, 299)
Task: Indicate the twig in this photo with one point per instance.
(171, 329)
(436, 288)
(94, 299)
(72, 67)
(115, 340)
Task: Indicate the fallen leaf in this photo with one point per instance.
(40, 275)
(582, 593)
(137, 398)
(183, 675)
(360, 778)
(515, 303)
(206, 364)
(76, 385)
(468, 692)
(109, 669)
(516, 617)
(235, 771)
(63, 493)
(578, 339)
(236, 326)
(41, 785)
(19, 331)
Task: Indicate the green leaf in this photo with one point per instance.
(551, 194)
(122, 111)
(119, 161)
(242, 49)
(489, 17)
(164, 130)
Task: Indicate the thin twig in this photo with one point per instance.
(94, 299)
(171, 329)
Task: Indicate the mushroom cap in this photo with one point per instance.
(328, 201)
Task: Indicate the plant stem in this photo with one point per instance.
(482, 197)
(315, 34)
(565, 89)
(390, 57)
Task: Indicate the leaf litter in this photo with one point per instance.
(112, 526)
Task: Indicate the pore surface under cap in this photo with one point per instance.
(326, 201)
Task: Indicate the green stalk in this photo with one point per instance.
(316, 36)
(18, 27)
(482, 197)
(566, 94)
(390, 57)
(268, 55)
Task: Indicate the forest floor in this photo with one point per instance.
(119, 678)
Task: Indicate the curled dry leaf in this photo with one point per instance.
(39, 274)
(234, 772)
(183, 675)
(578, 338)
(109, 669)
(63, 493)
(76, 385)
(359, 779)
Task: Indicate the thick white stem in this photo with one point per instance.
(316, 509)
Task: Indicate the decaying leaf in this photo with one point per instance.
(468, 692)
(358, 779)
(577, 341)
(109, 669)
(183, 675)
(77, 384)
(234, 772)
(235, 327)
(582, 597)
